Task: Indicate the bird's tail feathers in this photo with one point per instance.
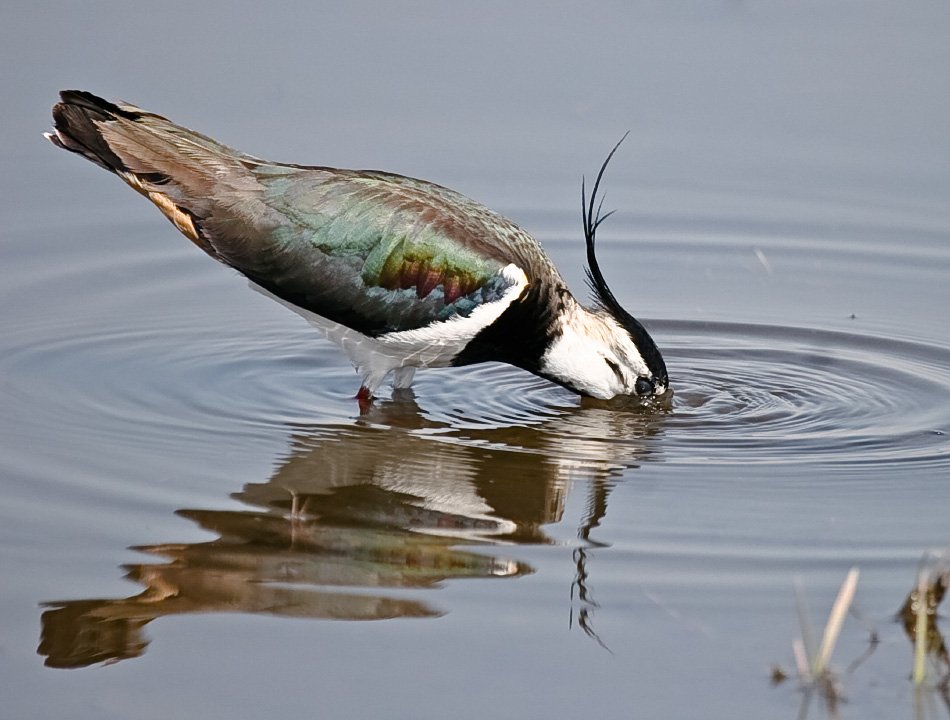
(176, 168)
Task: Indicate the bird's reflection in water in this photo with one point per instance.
(357, 514)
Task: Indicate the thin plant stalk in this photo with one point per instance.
(804, 621)
(801, 660)
(835, 619)
(920, 631)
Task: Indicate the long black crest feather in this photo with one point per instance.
(592, 220)
(593, 217)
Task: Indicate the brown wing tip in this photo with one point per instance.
(75, 127)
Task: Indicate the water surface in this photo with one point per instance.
(197, 520)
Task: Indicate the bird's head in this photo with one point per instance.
(597, 355)
(604, 352)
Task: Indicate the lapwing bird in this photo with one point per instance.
(400, 273)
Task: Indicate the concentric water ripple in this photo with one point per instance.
(743, 393)
(118, 370)
(792, 395)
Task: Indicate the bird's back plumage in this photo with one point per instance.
(392, 253)
(389, 266)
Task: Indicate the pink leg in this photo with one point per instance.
(365, 398)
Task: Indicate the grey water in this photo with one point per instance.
(197, 521)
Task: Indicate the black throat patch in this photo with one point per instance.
(521, 334)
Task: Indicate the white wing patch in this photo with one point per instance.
(434, 345)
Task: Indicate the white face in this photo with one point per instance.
(596, 357)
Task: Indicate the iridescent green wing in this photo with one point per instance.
(375, 252)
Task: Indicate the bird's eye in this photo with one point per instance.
(644, 386)
(615, 367)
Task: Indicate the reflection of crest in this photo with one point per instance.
(353, 518)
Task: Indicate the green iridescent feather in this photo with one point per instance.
(387, 256)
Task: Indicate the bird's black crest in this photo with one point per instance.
(592, 220)
(592, 217)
